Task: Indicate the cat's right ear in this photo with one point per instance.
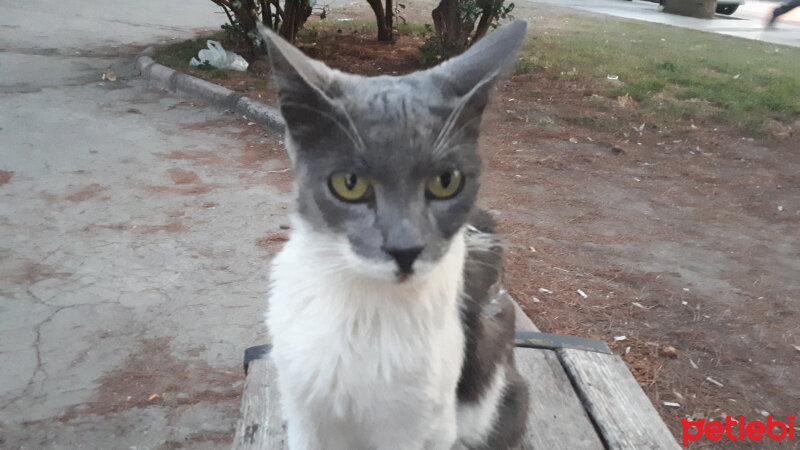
(306, 89)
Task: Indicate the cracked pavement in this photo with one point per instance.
(133, 262)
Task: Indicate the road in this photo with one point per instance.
(130, 278)
(747, 22)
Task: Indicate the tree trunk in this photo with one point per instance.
(295, 14)
(384, 31)
(487, 16)
(389, 17)
(451, 32)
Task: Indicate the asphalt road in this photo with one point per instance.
(128, 222)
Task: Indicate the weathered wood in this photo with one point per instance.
(620, 409)
(260, 425)
(521, 320)
(598, 383)
(556, 418)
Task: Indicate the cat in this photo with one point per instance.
(389, 324)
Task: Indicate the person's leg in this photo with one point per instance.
(785, 8)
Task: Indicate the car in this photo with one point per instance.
(726, 7)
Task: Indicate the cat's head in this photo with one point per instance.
(388, 166)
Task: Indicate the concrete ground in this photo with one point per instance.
(747, 22)
(130, 278)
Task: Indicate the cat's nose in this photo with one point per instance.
(405, 257)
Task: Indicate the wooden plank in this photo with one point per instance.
(521, 320)
(260, 425)
(619, 408)
(556, 417)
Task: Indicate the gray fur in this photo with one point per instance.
(487, 316)
(398, 132)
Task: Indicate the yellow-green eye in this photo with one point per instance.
(350, 187)
(445, 185)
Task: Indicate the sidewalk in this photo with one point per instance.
(747, 22)
(131, 271)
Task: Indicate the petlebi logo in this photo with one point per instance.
(738, 429)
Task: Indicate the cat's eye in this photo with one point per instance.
(350, 187)
(445, 185)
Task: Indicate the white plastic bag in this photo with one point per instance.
(219, 58)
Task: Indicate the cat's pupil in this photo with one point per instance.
(350, 181)
(445, 179)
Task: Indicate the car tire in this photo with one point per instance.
(727, 9)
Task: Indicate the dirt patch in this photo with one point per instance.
(154, 376)
(180, 176)
(273, 242)
(361, 53)
(174, 227)
(86, 193)
(221, 440)
(24, 272)
(197, 189)
(5, 177)
(281, 180)
(199, 158)
(654, 225)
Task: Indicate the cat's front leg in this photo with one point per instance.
(445, 431)
(302, 431)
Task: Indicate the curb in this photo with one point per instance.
(211, 94)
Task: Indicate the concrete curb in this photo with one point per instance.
(211, 94)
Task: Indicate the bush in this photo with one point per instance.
(243, 15)
(460, 23)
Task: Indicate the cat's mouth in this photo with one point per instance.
(402, 277)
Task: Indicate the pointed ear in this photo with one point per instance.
(307, 89)
(484, 61)
(471, 76)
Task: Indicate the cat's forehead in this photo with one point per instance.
(409, 105)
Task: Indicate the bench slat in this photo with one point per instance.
(521, 320)
(260, 425)
(556, 418)
(563, 387)
(623, 413)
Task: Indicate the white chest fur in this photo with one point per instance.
(362, 362)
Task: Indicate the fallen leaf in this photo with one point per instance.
(669, 352)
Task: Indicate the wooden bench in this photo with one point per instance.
(580, 399)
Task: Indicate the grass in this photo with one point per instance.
(178, 55)
(671, 71)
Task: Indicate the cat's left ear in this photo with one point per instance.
(306, 89)
(471, 75)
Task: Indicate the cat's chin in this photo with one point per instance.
(387, 271)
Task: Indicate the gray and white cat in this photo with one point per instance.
(388, 323)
